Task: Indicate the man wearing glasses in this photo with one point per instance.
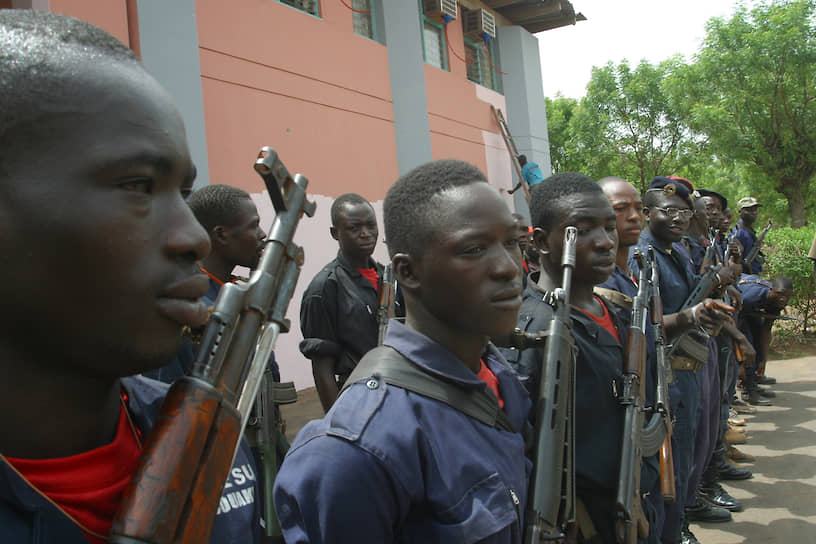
(668, 209)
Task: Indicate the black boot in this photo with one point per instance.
(751, 388)
(717, 496)
(705, 512)
(686, 536)
(727, 471)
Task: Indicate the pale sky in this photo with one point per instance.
(631, 29)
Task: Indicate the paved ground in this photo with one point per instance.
(780, 500)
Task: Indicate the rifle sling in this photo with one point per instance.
(396, 369)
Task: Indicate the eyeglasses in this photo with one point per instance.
(674, 212)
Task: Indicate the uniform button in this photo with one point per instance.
(372, 384)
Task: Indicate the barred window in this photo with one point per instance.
(434, 43)
(481, 68)
(364, 22)
(309, 6)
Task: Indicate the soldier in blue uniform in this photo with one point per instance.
(389, 463)
(668, 208)
(572, 199)
(763, 302)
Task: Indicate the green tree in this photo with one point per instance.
(560, 114)
(752, 90)
(626, 125)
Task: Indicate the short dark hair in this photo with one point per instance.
(409, 211)
(216, 205)
(545, 207)
(343, 200)
(36, 50)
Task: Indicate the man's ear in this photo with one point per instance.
(646, 214)
(405, 271)
(540, 237)
(218, 235)
(333, 232)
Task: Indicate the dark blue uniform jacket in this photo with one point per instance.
(26, 517)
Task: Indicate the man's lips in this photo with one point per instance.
(507, 295)
(181, 302)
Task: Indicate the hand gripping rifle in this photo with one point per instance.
(754, 253)
(174, 494)
(663, 373)
(629, 518)
(551, 502)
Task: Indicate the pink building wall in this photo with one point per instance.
(320, 95)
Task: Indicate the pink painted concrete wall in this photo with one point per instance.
(110, 15)
(320, 95)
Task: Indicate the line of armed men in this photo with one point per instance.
(570, 379)
(675, 245)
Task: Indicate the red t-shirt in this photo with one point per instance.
(371, 275)
(87, 486)
(605, 320)
(487, 376)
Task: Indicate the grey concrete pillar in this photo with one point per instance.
(524, 95)
(168, 38)
(403, 37)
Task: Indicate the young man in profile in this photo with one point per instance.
(573, 199)
(338, 311)
(100, 252)
(391, 464)
(231, 220)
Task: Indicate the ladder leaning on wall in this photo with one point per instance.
(511, 148)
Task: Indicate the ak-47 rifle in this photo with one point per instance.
(754, 253)
(175, 491)
(667, 486)
(385, 308)
(630, 521)
(266, 433)
(551, 499)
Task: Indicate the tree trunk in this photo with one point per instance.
(794, 194)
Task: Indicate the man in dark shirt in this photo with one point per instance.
(338, 312)
(231, 219)
(668, 210)
(389, 464)
(763, 302)
(748, 209)
(572, 199)
(620, 289)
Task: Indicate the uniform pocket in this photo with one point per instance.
(485, 509)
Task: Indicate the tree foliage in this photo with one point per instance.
(752, 90)
(786, 249)
(739, 118)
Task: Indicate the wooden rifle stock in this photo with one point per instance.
(174, 494)
(667, 471)
(629, 518)
(665, 457)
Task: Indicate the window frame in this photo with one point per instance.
(317, 8)
(443, 43)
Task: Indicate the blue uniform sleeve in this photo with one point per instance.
(331, 491)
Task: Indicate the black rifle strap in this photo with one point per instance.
(396, 369)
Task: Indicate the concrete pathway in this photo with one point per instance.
(780, 500)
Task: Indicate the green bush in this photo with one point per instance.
(786, 251)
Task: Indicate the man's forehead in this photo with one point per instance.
(621, 191)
